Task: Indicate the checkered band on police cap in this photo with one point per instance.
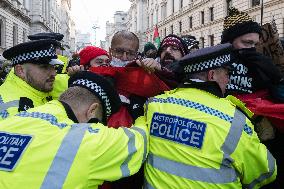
(32, 51)
(34, 55)
(208, 64)
(206, 59)
(100, 87)
(95, 88)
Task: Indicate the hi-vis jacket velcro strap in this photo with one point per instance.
(64, 157)
(5, 106)
(271, 165)
(225, 174)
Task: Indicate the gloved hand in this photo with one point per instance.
(260, 64)
(135, 108)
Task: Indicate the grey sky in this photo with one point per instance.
(87, 13)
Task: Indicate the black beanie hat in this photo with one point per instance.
(237, 24)
(100, 87)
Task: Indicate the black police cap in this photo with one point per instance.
(205, 59)
(38, 51)
(40, 36)
(100, 87)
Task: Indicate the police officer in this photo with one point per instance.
(53, 146)
(61, 79)
(32, 78)
(199, 139)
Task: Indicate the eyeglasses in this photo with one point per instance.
(119, 52)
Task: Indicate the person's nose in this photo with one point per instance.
(124, 57)
(169, 49)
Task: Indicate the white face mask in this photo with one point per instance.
(115, 62)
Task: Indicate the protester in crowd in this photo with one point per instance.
(150, 50)
(243, 33)
(29, 83)
(191, 42)
(92, 56)
(251, 79)
(198, 139)
(64, 144)
(172, 49)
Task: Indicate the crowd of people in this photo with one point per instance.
(173, 116)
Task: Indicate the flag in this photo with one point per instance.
(156, 37)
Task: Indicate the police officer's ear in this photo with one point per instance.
(20, 71)
(211, 75)
(95, 110)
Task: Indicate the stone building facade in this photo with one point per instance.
(14, 23)
(20, 18)
(120, 23)
(201, 18)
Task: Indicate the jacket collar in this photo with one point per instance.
(69, 112)
(24, 86)
(208, 86)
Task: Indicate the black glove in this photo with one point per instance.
(260, 64)
(135, 108)
(25, 104)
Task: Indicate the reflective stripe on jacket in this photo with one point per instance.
(198, 140)
(62, 154)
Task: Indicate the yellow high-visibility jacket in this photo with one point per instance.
(43, 148)
(12, 90)
(198, 140)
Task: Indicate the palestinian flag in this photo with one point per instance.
(156, 37)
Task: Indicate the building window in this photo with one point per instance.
(172, 29)
(180, 26)
(180, 4)
(255, 3)
(165, 32)
(190, 22)
(1, 33)
(152, 19)
(229, 5)
(211, 12)
(148, 22)
(173, 7)
(202, 17)
(201, 40)
(157, 19)
(24, 35)
(15, 35)
(211, 40)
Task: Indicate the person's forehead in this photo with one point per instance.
(126, 44)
